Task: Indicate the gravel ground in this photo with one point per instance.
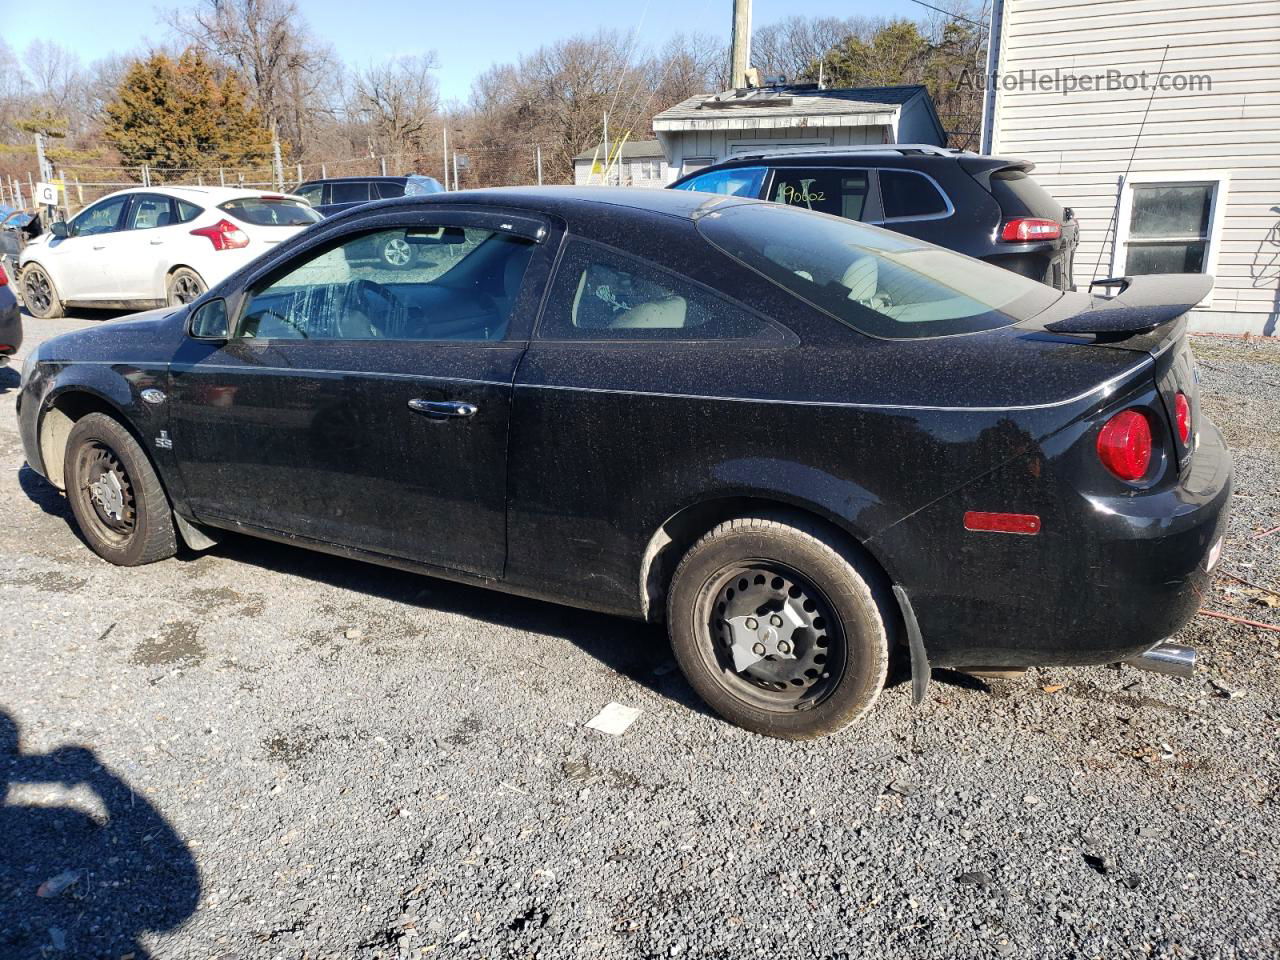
(261, 752)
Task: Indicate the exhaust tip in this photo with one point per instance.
(1171, 659)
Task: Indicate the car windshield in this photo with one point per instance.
(880, 283)
(271, 211)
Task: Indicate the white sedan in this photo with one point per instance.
(152, 246)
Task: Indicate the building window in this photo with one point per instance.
(1169, 224)
(646, 169)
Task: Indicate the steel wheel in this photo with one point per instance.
(107, 487)
(397, 252)
(776, 640)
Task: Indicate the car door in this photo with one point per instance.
(143, 251)
(81, 263)
(365, 405)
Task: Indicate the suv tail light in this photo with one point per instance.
(1124, 445)
(4, 277)
(1182, 413)
(1030, 229)
(224, 235)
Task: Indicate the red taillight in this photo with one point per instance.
(224, 235)
(1025, 523)
(1182, 413)
(4, 277)
(1030, 229)
(1124, 445)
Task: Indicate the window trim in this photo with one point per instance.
(1221, 182)
(773, 332)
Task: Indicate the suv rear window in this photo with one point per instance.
(880, 283)
(1020, 196)
(271, 211)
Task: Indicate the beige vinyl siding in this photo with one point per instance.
(1081, 142)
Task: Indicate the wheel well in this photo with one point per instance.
(673, 539)
(57, 421)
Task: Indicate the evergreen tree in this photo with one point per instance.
(180, 120)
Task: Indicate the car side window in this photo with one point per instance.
(357, 192)
(422, 283)
(388, 190)
(910, 195)
(841, 193)
(736, 181)
(312, 193)
(602, 294)
(187, 211)
(150, 211)
(103, 217)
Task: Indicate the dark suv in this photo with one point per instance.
(986, 207)
(341, 193)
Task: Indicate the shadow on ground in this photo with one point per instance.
(81, 884)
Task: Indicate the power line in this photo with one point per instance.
(953, 16)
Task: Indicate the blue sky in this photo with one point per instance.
(467, 38)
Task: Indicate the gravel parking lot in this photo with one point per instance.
(262, 752)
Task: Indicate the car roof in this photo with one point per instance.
(570, 200)
(203, 195)
(377, 179)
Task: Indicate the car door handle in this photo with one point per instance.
(101, 247)
(443, 409)
(156, 243)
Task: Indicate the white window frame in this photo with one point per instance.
(1221, 182)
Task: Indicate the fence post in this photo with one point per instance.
(299, 175)
(323, 175)
(222, 178)
(539, 149)
(383, 158)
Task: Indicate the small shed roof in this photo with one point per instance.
(631, 150)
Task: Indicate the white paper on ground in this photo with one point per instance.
(614, 719)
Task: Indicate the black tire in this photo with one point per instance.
(835, 664)
(183, 286)
(127, 518)
(39, 295)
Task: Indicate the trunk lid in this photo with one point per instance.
(1148, 316)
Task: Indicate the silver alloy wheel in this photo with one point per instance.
(397, 252)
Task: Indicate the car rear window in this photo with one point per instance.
(880, 283)
(271, 211)
(1020, 196)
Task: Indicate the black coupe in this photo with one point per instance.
(807, 443)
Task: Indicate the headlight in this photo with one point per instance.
(28, 368)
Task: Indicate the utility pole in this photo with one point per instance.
(539, 152)
(445, 131)
(740, 59)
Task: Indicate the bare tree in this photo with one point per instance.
(791, 47)
(398, 103)
(268, 43)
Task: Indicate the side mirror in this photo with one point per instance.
(59, 228)
(209, 322)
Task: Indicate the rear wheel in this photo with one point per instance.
(776, 628)
(183, 286)
(39, 294)
(115, 494)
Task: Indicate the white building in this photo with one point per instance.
(1158, 123)
(712, 127)
(641, 164)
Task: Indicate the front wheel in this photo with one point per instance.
(397, 253)
(39, 294)
(115, 494)
(776, 629)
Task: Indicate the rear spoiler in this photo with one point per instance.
(982, 166)
(1142, 304)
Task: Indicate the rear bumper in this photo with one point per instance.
(1107, 578)
(10, 323)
